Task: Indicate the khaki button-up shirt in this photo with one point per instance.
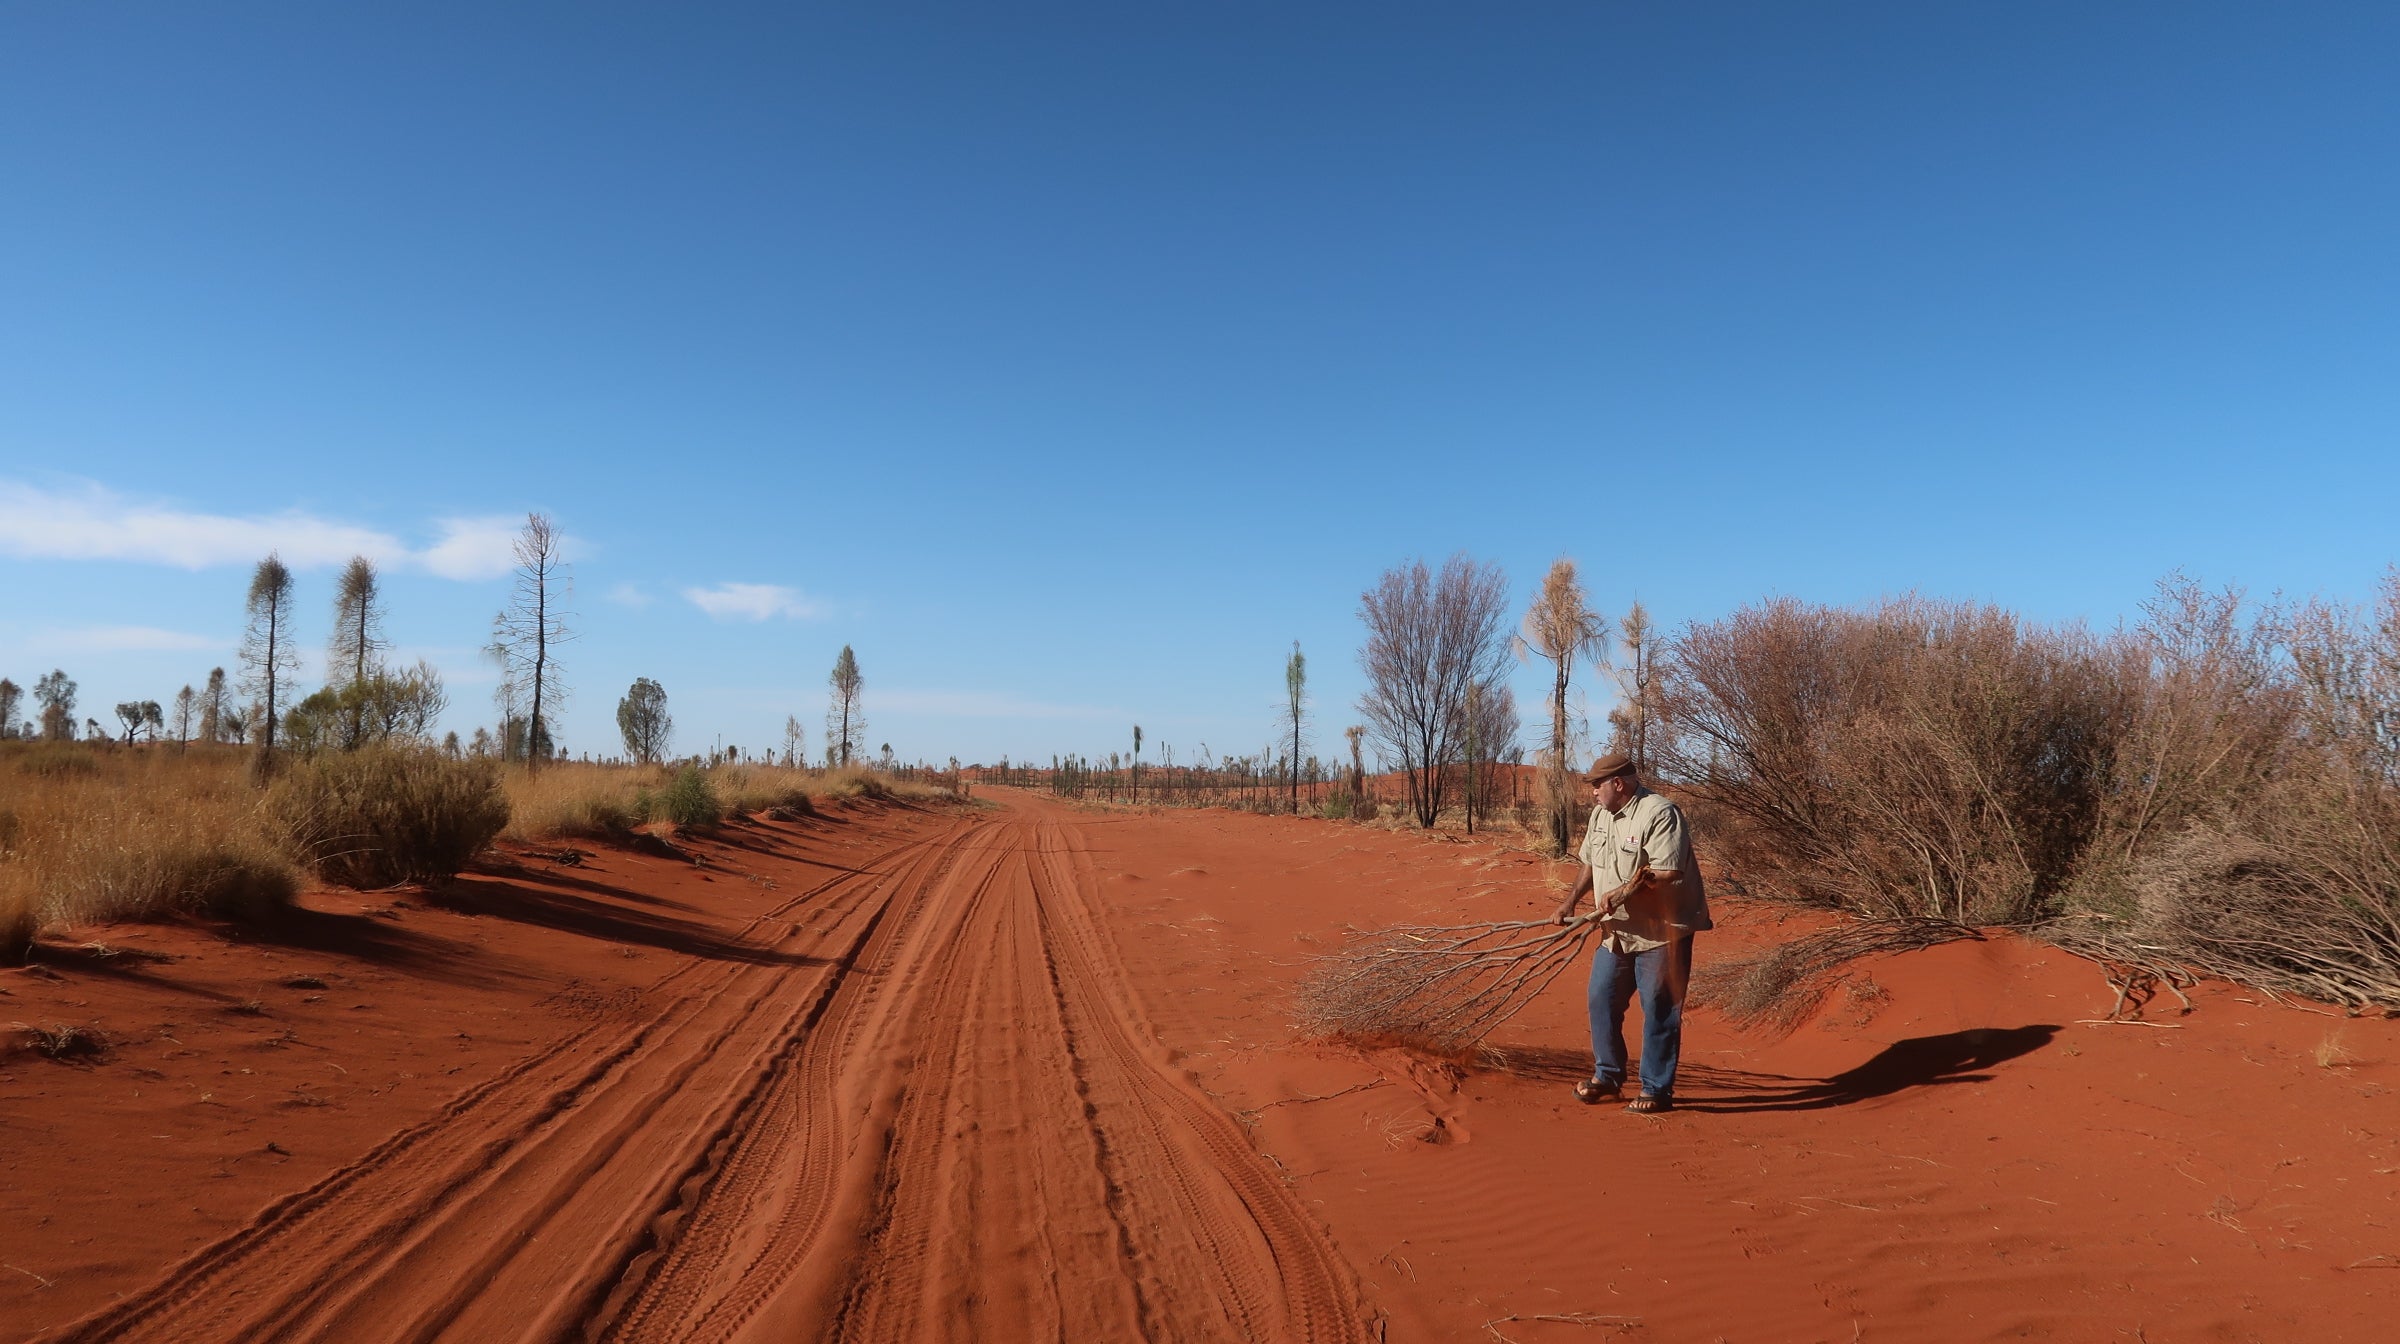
(1650, 832)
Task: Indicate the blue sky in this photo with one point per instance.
(1070, 362)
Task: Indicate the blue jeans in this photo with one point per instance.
(1660, 975)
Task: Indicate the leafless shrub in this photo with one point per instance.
(2275, 858)
(1439, 988)
(2316, 915)
(1784, 984)
(2211, 718)
(1918, 760)
(2216, 791)
(1430, 640)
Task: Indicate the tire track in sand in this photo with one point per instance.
(996, 1149)
(956, 1125)
(504, 1215)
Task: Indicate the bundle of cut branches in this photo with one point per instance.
(1440, 987)
(1784, 984)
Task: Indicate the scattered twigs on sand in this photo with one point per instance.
(1442, 987)
(1784, 984)
(1561, 1318)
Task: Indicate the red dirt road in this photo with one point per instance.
(1024, 1073)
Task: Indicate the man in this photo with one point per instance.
(1637, 859)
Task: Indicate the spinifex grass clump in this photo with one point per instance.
(376, 817)
(689, 801)
(1442, 988)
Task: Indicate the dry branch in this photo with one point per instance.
(1441, 987)
(1784, 984)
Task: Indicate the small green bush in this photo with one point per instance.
(689, 801)
(372, 818)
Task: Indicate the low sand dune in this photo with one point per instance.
(1024, 1072)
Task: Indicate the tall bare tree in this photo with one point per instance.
(1357, 734)
(186, 710)
(795, 742)
(356, 650)
(643, 720)
(212, 707)
(1295, 709)
(11, 696)
(526, 635)
(1137, 762)
(845, 721)
(269, 661)
(1637, 688)
(1429, 638)
(1561, 627)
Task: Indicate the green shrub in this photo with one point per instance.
(689, 800)
(376, 817)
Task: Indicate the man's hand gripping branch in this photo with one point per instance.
(1611, 904)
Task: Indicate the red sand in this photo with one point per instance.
(1025, 1072)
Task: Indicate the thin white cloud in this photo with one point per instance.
(982, 705)
(95, 524)
(474, 548)
(753, 602)
(90, 522)
(629, 595)
(122, 639)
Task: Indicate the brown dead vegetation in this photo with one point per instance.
(2216, 790)
(93, 832)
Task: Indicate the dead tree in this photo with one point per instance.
(1429, 639)
(526, 635)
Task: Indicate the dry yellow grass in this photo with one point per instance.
(2333, 1053)
(573, 799)
(570, 799)
(96, 832)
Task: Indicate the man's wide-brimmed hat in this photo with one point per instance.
(1610, 766)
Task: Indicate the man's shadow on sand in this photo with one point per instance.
(1919, 1061)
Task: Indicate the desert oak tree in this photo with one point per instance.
(269, 662)
(1561, 627)
(355, 652)
(845, 723)
(643, 719)
(1295, 708)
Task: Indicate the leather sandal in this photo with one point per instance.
(1650, 1103)
(1591, 1091)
